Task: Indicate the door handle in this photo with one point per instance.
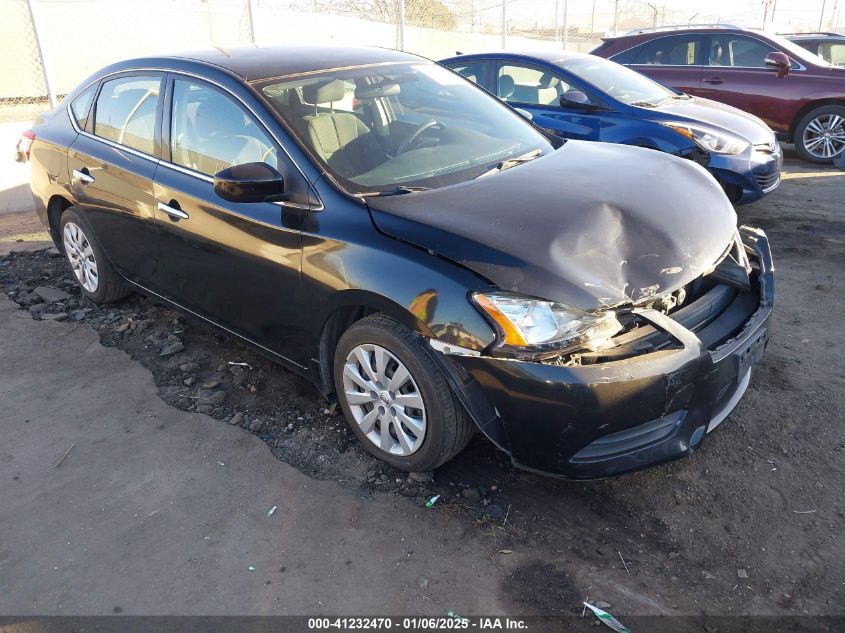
(713, 80)
(83, 176)
(173, 213)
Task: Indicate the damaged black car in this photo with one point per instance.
(420, 251)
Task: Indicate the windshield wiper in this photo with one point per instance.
(644, 104)
(398, 191)
(513, 162)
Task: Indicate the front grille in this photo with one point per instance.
(768, 182)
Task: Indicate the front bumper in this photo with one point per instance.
(608, 418)
(748, 176)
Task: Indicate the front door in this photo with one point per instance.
(237, 264)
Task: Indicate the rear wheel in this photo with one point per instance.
(396, 398)
(820, 135)
(93, 272)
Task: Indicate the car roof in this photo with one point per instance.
(254, 63)
(796, 37)
(551, 56)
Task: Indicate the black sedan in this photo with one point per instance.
(436, 262)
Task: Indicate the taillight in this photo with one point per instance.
(25, 143)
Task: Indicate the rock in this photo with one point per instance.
(741, 573)
(38, 309)
(209, 397)
(289, 427)
(256, 425)
(210, 384)
(220, 367)
(602, 605)
(471, 494)
(422, 581)
(187, 367)
(495, 511)
(426, 476)
(674, 555)
(50, 294)
(236, 419)
(205, 408)
(59, 316)
(190, 380)
(172, 348)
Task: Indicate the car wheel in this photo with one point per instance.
(93, 272)
(396, 398)
(820, 135)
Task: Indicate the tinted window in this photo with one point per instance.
(126, 111)
(737, 50)
(518, 83)
(473, 71)
(82, 104)
(676, 50)
(210, 131)
(833, 52)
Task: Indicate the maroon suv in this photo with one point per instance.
(800, 96)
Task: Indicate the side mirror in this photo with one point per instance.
(249, 182)
(575, 99)
(778, 61)
(524, 114)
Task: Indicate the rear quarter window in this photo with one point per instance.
(81, 105)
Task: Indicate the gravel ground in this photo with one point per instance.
(750, 524)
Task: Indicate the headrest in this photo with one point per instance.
(547, 80)
(327, 92)
(216, 117)
(506, 86)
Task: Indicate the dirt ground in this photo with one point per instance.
(750, 524)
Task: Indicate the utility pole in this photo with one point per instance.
(504, 24)
(565, 24)
(615, 18)
(656, 10)
(46, 75)
(400, 27)
(593, 19)
(821, 16)
(557, 20)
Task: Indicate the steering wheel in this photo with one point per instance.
(408, 143)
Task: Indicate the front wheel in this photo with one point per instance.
(396, 398)
(820, 135)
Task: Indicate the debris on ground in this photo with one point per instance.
(607, 619)
(272, 511)
(64, 457)
(430, 503)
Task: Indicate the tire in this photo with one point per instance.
(825, 119)
(96, 277)
(446, 428)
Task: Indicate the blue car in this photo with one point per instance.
(580, 96)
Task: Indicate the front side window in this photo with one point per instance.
(126, 111)
(519, 83)
(81, 105)
(738, 51)
(675, 50)
(411, 124)
(210, 132)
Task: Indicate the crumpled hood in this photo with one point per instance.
(589, 225)
(719, 115)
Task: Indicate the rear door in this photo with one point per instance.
(237, 264)
(673, 60)
(537, 90)
(736, 74)
(112, 163)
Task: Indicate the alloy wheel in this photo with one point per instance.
(824, 136)
(81, 257)
(384, 399)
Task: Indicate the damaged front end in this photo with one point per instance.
(676, 366)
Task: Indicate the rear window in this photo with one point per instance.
(126, 111)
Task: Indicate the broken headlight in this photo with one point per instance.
(534, 328)
(710, 140)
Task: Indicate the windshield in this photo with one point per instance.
(387, 126)
(617, 81)
(797, 52)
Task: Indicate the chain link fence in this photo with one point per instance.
(49, 46)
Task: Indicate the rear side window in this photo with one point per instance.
(738, 51)
(833, 52)
(474, 71)
(676, 50)
(126, 111)
(81, 105)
